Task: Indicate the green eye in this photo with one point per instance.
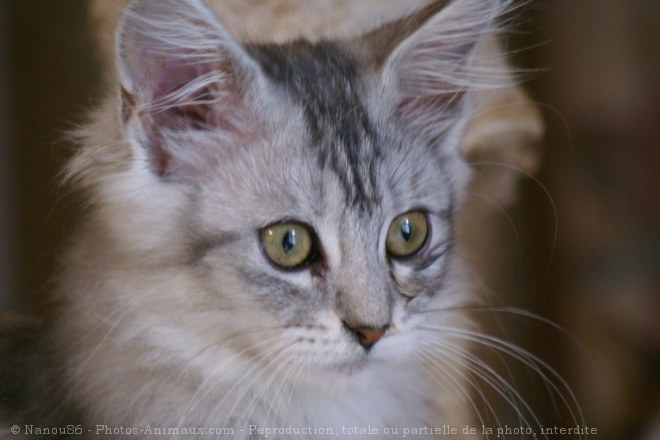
(288, 245)
(407, 234)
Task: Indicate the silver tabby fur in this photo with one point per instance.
(170, 316)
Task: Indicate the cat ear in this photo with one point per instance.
(180, 74)
(428, 64)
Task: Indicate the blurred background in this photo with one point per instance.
(582, 248)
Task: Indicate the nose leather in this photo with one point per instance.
(369, 336)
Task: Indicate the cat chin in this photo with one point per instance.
(351, 370)
(354, 378)
(373, 394)
(334, 380)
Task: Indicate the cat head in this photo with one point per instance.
(293, 202)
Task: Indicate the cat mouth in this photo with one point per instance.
(351, 369)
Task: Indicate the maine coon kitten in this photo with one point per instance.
(270, 239)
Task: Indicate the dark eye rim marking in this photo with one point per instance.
(310, 262)
(422, 248)
(437, 252)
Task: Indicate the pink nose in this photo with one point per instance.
(369, 336)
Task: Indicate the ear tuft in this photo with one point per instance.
(180, 73)
(433, 67)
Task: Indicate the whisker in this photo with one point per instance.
(459, 356)
(526, 358)
(456, 386)
(260, 365)
(198, 396)
(501, 209)
(497, 383)
(514, 311)
(257, 398)
(280, 388)
(544, 189)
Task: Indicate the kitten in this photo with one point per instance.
(270, 245)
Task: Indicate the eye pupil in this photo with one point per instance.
(289, 241)
(406, 230)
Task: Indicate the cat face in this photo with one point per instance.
(346, 196)
(290, 206)
(347, 278)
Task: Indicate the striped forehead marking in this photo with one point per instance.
(326, 84)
